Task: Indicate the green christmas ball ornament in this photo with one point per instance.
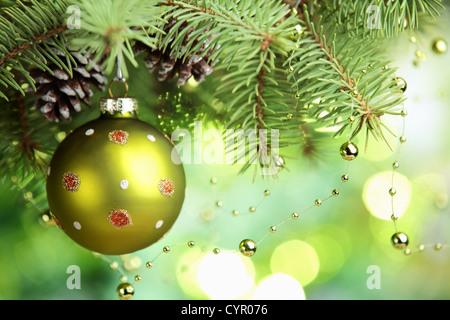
(116, 184)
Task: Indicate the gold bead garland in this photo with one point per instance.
(236, 212)
(401, 240)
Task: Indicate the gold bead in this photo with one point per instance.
(421, 55)
(344, 178)
(247, 247)
(191, 244)
(28, 196)
(279, 163)
(412, 39)
(402, 139)
(437, 247)
(400, 240)
(318, 202)
(407, 252)
(219, 203)
(297, 96)
(114, 265)
(349, 151)
(46, 219)
(439, 46)
(404, 113)
(266, 192)
(235, 212)
(394, 217)
(149, 265)
(166, 249)
(294, 215)
(216, 251)
(335, 192)
(294, 11)
(291, 69)
(273, 229)
(137, 278)
(421, 247)
(125, 291)
(252, 209)
(364, 71)
(395, 165)
(131, 262)
(123, 278)
(351, 119)
(402, 83)
(385, 68)
(392, 192)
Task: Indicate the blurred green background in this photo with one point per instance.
(328, 253)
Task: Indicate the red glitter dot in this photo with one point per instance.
(71, 181)
(166, 187)
(119, 218)
(118, 136)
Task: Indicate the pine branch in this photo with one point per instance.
(344, 87)
(231, 23)
(249, 38)
(382, 18)
(27, 140)
(26, 145)
(108, 34)
(17, 51)
(260, 98)
(26, 29)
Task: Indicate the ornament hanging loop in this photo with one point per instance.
(118, 79)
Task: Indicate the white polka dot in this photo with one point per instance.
(124, 184)
(151, 138)
(77, 225)
(159, 224)
(89, 132)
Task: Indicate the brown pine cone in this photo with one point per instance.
(59, 94)
(168, 67)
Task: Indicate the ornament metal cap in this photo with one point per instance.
(115, 106)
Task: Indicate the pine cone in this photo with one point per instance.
(59, 94)
(168, 67)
